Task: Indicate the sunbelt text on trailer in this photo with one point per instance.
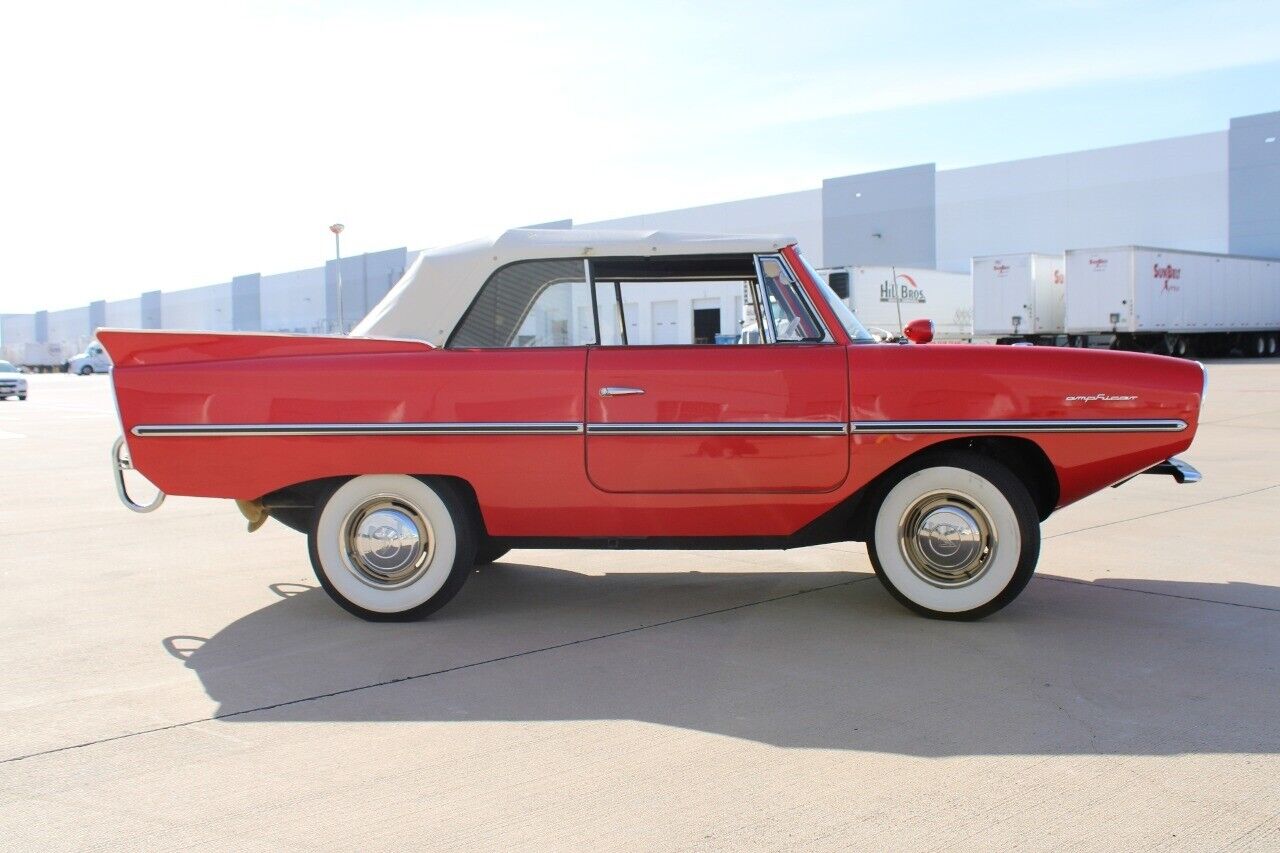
(1171, 301)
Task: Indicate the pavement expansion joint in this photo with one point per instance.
(1099, 585)
(1162, 512)
(415, 677)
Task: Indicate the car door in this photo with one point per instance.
(717, 418)
(770, 417)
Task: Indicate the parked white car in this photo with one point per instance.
(93, 360)
(12, 382)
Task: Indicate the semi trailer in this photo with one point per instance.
(36, 357)
(887, 298)
(1020, 298)
(1174, 302)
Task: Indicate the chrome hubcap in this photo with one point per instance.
(387, 542)
(947, 538)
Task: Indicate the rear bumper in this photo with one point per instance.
(1177, 469)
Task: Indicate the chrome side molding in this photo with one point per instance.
(121, 463)
(235, 430)
(951, 427)
(804, 428)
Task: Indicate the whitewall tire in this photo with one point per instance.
(956, 536)
(389, 547)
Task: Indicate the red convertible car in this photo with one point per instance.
(593, 389)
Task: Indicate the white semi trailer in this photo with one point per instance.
(886, 298)
(36, 357)
(1168, 301)
(1020, 298)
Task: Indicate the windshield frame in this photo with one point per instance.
(853, 327)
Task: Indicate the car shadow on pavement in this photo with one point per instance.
(819, 660)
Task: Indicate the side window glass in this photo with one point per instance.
(785, 306)
(673, 312)
(530, 304)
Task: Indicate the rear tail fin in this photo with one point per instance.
(138, 347)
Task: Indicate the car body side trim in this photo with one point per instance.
(812, 428)
(804, 428)
(936, 427)
(230, 430)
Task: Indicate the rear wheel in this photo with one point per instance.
(957, 536)
(392, 548)
(1273, 345)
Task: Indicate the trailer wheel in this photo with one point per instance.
(1272, 345)
(392, 548)
(1258, 346)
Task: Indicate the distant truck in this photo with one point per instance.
(37, 357)
(887, 298)
(94, 359)
(1173, 302)
(1020, 298)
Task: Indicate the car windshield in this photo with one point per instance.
(6, 367)
(856, 331)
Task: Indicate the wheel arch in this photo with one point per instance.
(1026, 459)
(293, 505)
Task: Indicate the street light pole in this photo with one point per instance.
(336, 228)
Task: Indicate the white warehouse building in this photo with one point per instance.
(1210, 192)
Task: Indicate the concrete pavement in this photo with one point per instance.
(170, 681)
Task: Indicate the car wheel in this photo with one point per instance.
(22, 397)
(86, 370)
(489, 553)
(957, 536)
(392, 548)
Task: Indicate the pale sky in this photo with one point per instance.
(169, 145)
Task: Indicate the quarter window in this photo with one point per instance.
(787, 310)
(530, 304)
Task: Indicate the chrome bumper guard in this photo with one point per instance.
(1177, 469)
(121, 463)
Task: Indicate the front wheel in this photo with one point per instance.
(86, 370)
(957, 536)
(392, 548)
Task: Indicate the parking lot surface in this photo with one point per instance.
(171, 681)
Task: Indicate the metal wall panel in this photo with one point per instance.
(1254, 164)
(880, 219)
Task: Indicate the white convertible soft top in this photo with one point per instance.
(437, 289)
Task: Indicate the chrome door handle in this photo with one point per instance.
(615, 391)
